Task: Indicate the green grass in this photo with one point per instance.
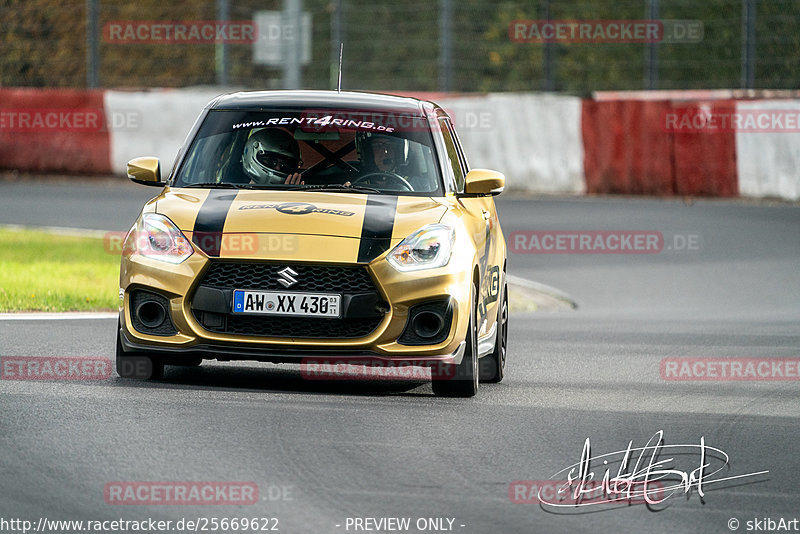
(55, 273)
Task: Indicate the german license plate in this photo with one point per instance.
(286, 303)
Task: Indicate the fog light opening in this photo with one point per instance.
(427, 324)
(151, 314)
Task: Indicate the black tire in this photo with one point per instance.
(465, 381)
(137, 365)
(493, 365)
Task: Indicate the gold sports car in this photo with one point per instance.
(313, 227)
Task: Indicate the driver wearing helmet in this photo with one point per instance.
(272, 156)
(381, 157)
(380, 153)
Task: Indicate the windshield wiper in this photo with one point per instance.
(215, 185)
(340, 187)
(278, 187)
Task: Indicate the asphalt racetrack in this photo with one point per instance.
(328, 456)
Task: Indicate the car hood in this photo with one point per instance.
(300, 225)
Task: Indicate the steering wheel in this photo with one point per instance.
(392, 177)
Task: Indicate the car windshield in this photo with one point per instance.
(307, 149)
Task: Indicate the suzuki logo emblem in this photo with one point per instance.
(286, 277)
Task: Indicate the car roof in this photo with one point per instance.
(350, 100)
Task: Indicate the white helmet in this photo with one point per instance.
(270, 155)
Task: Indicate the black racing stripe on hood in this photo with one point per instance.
(210, 221)
(376, 232)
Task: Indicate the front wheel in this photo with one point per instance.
(137, 365)
(464, 383)
(493, 365)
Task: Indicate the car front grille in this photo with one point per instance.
(300, 327)
(262, 276)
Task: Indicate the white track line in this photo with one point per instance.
(60, 230)
(542, 288)
(62, 316)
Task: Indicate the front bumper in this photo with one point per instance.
(398, 292)
(286, 354)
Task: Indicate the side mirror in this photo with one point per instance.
(145, 171)
(484, 182)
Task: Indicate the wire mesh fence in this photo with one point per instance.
(401, 45)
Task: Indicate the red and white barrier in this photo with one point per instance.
(535, 139)
(58, 130)
(708, 143)
(768, 163)
(153, 123)
(632, 147)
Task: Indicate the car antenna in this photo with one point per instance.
(341, 52)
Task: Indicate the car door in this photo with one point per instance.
(484, 228)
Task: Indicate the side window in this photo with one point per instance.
(452, 153)
(461, 155)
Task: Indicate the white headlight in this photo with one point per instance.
(156, 237)
(427, 248)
